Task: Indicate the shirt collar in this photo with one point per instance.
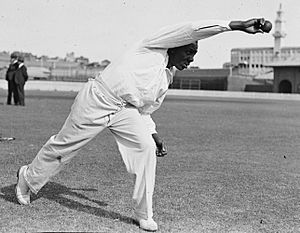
(170, 73)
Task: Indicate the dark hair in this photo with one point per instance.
(21, 58)
(14, 55)
(171, 50)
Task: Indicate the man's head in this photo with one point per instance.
(20, 58)
(182, 56)
(14, 57)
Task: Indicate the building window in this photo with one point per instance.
(195, 84)
(185, 84)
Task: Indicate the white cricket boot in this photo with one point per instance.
(148, 224)
(22, 190)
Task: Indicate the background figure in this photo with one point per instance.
(21, 77)
(10, 78)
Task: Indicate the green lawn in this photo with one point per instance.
(233, 166)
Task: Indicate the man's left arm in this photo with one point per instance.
(25, 74)
(161, 149)
(8, 73)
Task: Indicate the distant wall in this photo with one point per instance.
(76, 86)
(48, 85)
(290, 74)
(259, 88)
(238, 83)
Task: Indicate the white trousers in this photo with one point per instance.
(94, 109)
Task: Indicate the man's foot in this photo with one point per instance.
(22, 190)
(148, 224)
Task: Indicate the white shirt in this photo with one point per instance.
(140, 76)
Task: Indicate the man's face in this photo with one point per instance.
(13, 60)
(181, 57)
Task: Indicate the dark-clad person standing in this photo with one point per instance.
(21, 77)
(10, 78)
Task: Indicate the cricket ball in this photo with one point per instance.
(267, 26)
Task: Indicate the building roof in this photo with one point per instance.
(252, 48)
(196, 73)
(290, 62)
(264, 48)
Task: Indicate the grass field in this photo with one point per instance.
(233, 166)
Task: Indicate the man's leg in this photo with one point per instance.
(137, 149)
(10, 91)
(15, 92)
(23, 94)
(88, 117)
(20, 93)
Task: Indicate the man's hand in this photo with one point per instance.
(251, 26)
(161, 149)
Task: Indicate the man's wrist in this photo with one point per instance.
(156, 139)
(236, 25)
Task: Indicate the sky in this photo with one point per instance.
(104, 29)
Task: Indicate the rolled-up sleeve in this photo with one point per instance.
(185, 33)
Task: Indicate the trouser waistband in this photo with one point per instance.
(108, 92)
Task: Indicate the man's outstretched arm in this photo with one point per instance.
(251, 26)
(189, 32)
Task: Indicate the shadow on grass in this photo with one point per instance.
(57, 192)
